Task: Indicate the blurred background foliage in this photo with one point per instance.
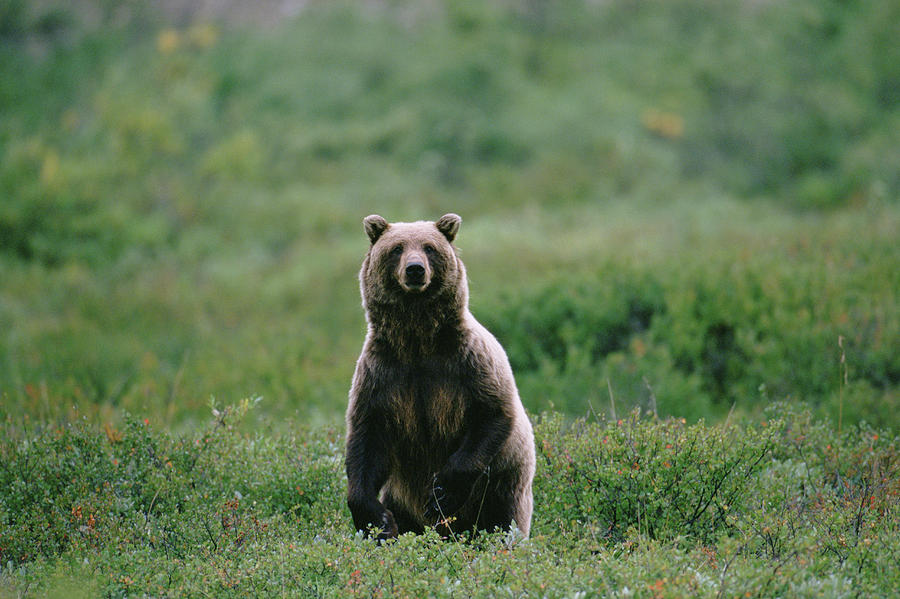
(689, 206)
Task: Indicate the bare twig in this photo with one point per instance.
(612, 400)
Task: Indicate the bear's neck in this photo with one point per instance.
(411, 330)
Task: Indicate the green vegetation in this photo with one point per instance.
(640, 507)
(763, 317)
(686, 208)
(683, 198)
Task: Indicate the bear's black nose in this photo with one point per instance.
(415, 272)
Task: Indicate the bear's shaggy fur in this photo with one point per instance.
(436, 433)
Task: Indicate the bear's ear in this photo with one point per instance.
(375, 226)
(448, 225)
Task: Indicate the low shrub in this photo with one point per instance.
(659, 478)
(72, 486)
(641, 506)
(695, 339)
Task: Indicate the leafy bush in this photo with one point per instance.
(73, 486)
(693, 340)
(659, 477)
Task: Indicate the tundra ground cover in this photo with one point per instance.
(642, 507)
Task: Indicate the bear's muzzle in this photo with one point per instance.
(414, 274)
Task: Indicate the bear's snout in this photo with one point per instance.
(414, 273)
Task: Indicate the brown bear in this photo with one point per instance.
(436, 433)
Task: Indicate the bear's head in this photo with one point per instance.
(410, 261)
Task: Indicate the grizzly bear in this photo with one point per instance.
(436, 433)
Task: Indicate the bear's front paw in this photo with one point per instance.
(373, 519)
(388, 527)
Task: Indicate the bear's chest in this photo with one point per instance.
(426, 405)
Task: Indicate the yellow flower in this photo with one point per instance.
(50, 167)
(168, 41)
(664, 124)
(202, 35)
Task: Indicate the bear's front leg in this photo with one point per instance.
(367, 471)
(371, 516)
(452, 486)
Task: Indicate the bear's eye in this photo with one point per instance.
(397, 250)
(430, 250)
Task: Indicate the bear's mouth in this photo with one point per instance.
(417, 286)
